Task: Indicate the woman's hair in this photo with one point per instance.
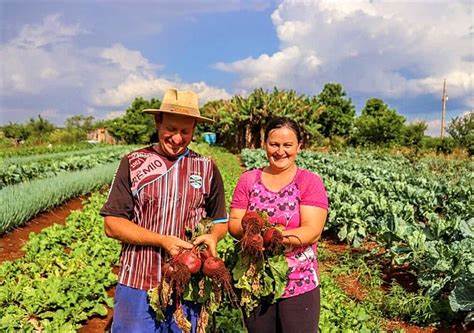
(283, 122)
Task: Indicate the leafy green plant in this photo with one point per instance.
(17, 170)
(62, 279)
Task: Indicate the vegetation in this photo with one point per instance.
(17, 170)
(42, 194)
(135, 127)
(62, 279)
(461, 130)
(420, 214)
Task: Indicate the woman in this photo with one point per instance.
(295, 198)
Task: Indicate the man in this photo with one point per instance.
(157, 192)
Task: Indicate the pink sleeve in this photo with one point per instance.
(241, 196)
(313, 192)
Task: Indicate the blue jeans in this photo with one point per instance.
(133, 314)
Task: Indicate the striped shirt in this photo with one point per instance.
(163, 196)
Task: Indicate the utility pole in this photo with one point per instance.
(443, 110)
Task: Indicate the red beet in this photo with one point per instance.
(213, 266)
(215, 269)
(252, 223)
(167, 269)
(272, 239)
(190, 259)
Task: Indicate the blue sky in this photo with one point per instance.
(61, 58)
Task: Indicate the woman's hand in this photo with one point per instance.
(210, 240)
(173, 245)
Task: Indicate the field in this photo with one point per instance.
(397, 252)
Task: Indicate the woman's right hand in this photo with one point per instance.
(173, 245)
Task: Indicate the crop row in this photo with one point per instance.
(34, 150)
(62, 279)
(60, 155)
(14, 171)
(23, 201)
(422, 218)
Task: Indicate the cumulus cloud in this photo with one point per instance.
(150, 86)
(127, 59)
(391, 49)
(45, 59)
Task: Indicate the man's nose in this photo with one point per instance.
(177, 139)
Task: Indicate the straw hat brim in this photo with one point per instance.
(199, 119)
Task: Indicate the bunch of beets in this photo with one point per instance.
(259, 236)
(177, 271)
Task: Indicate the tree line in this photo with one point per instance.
(328, 120)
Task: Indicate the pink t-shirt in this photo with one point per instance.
(283, 207)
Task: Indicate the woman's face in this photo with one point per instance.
(282, 147)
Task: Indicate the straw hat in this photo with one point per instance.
(184, 103)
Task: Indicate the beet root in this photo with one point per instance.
(215, 269)
(177, 275)
(252, 245)
(252, 223)
(273, 239)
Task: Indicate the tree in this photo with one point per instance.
(413, 134)
(338, 112)
(378, 124)
(80, 122)
(39, 129)
(18, 132)
(240, 121)
(461, 130)
(135, 127)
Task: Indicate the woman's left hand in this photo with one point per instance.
(210, 240)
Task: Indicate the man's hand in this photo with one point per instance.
(210, 240)
(173, 244)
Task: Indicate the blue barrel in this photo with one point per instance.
(209, 137)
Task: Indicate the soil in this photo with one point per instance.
(12, 242)
(401, 275)
(352, 287)
(394, 325)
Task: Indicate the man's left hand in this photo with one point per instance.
(210, 240)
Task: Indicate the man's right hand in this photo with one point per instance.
(173, 244)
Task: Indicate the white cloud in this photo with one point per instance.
(150, 86)
(127, 59)
(283, 69)
(49, 113)
(44, 59)
(390, 49)
(50, 31)
(114, 114)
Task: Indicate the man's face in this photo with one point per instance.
(175, 132)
